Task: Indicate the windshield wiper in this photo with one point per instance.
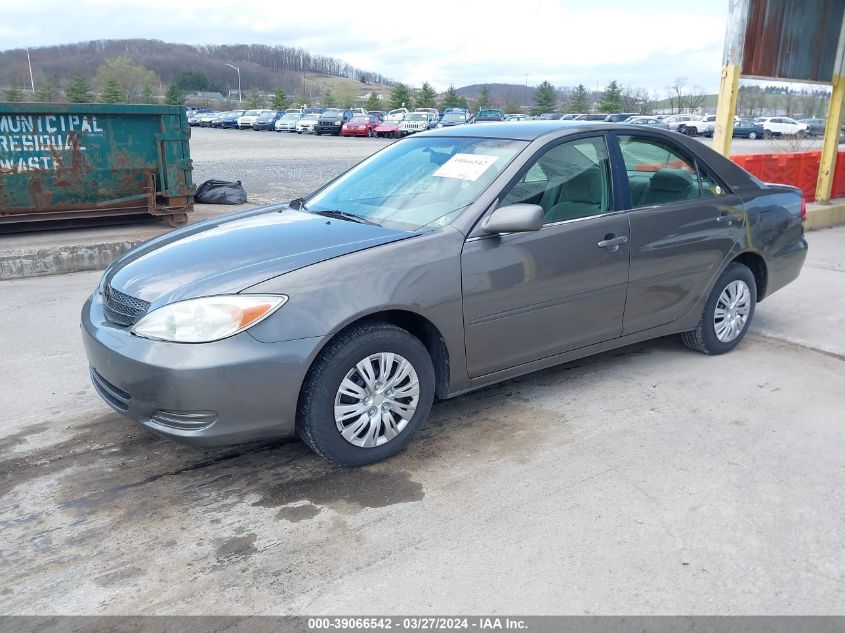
(343, 215)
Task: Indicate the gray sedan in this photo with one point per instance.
(446, 262)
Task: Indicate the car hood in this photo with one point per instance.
(228, 255)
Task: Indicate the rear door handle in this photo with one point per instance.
(612, 243)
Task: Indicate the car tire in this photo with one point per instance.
(752, 135)
(708, 337)
(316, 421)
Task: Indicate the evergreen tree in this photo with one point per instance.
(451, 99)
(173, 96)
(579, 100)
(400, 97)
(14, 95)
(329, 100)
(147, 95)
(373, 102)
(280, 100)
(47, 92)
(255, 100)
(545, 98)
(110, 92)
(426, 96)
(611, 100)
(484, 98)
(79, 90)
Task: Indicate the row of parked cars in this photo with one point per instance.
(343, 121)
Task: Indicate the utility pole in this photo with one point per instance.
(31, 80)
(240, 100)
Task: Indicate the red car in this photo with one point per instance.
(360, 125)
(388, 128)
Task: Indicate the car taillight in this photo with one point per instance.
(803, 209)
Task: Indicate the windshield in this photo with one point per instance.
(333, 112)
(454, 116)
(290, 116)
(418, 181)
(266, 116)
(251, 113)
(312, 117)
(489, 114)
(416, 116)
(361, 119)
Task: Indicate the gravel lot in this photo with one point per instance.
(275, 166)
(280, 166)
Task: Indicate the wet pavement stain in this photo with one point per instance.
(362, 488)
(236, 548)
(9, 442)
(295, 514)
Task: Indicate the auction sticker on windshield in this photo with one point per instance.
(466, 166)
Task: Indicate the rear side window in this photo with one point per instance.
(659, 173)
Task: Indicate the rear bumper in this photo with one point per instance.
(786, 266)
(212, 394)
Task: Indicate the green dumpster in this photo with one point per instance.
(65, 161)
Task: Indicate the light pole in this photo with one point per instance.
(31, 80)
(240, 100)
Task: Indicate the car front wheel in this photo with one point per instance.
(727, 313)
(366, 395)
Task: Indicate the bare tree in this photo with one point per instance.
(694, 98)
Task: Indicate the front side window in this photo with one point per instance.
(570, 180)
(659, 173)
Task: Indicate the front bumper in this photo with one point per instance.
(327, 129)
(355, 132)
(210, 394)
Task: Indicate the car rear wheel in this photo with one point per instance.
(366, 395)
(727, 313)
(752, 135)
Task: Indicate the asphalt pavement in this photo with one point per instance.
(649, 480)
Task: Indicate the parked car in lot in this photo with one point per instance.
(781, 126)
(307, 123)
(360, 125)
(698, 127)
(331, 121)
(267, 120)
(550, 116)
(489, 115)
(596, 116)
(287, 122)
(417, 122)
(389, 128)
(449, 261)
(453, 117)
(229, 120)
(207, 118)
(620, 117)
(815, 127)
(516, 117)
(249, 117)
(648, 121)
(744, 128)
(675, 121)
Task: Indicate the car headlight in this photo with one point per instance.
(337, 122)
(207, 319)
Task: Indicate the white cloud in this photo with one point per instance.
(648, 42)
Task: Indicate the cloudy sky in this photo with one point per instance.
(645, 43)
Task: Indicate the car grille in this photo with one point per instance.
(121, 309)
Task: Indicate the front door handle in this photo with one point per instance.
(612, 243)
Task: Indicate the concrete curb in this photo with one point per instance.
(55, 260)
(823, 215)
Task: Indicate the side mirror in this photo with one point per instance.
(515, 218)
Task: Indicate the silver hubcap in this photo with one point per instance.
(376, 400)
(732, 310)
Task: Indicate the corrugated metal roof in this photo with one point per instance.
(792, 39)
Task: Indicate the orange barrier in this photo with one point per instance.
(799, 169)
